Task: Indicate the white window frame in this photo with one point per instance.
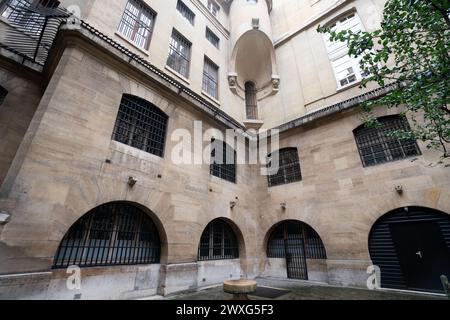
(346, 69)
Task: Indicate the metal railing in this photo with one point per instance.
(31, 28)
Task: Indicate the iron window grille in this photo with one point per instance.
(289, 167)
(211, 37)
(179, 54)
(112, 234)
(187, 13)
(251, 104)
(223, 161)
(17, 12)
(213, 7)
(218, 242)
(137, 23)
(210, 79)
(377, 146)
(297, 234)
(3, 94)
(141, 125)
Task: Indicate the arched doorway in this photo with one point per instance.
(412, 248)
(296, 242)
(117, 233)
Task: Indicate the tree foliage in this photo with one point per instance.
(410, 51)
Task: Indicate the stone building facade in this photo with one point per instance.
(58, 161)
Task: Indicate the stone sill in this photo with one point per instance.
(178, 75)
(141, 50)
(211, 98)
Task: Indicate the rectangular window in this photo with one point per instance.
(212, 38)
(137, 23)
(210, 78)
(213, 7)
(185, 12)
(179, 54)
(346, 68)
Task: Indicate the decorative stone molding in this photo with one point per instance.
(232, 81)
(276, 83)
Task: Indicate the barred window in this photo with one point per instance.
(288, 167)
(251, 103)
(141, 125)
(184, 10)
(112, 234)
(377, 146)
(218, 242)
(210, 79)
(137, 23)
(211, 36)
(3, 93)
(16, 12)
(223, 161)
(179, 54)
(213, 7)
(295, 234)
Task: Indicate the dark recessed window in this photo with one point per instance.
(223, 161)
(137, 23)
(211, 36)
(376, 146)
(218, 242)
(296, 236)
(3, 94)
(210, 79)
(184, 10)
(141, 125)
(112, 234)
(213, 7)
(179, 54)
(251, 103)
(288, 167)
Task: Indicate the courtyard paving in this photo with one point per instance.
(300, 290)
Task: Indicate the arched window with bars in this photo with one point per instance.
(377, 145)
(288, 167)
(112, 234)
(251, 103)
(218, 242)
(141, 124)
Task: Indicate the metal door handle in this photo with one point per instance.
(419, 254)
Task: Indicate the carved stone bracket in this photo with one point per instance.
(232, 81)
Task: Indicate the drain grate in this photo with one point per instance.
(270, 293)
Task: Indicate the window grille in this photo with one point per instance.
(210, 79)
(112, 234)
(214, 8)
(218, 242)
(289, 168)
(3, 93)
(137, 23)
(179, 54)
(211, 36)
(184, 10)
(223, 161)
(376, 146)
(141, 125)
(295, 233)
(16, 12)
(251, 103)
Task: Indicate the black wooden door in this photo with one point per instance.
(423, 254)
